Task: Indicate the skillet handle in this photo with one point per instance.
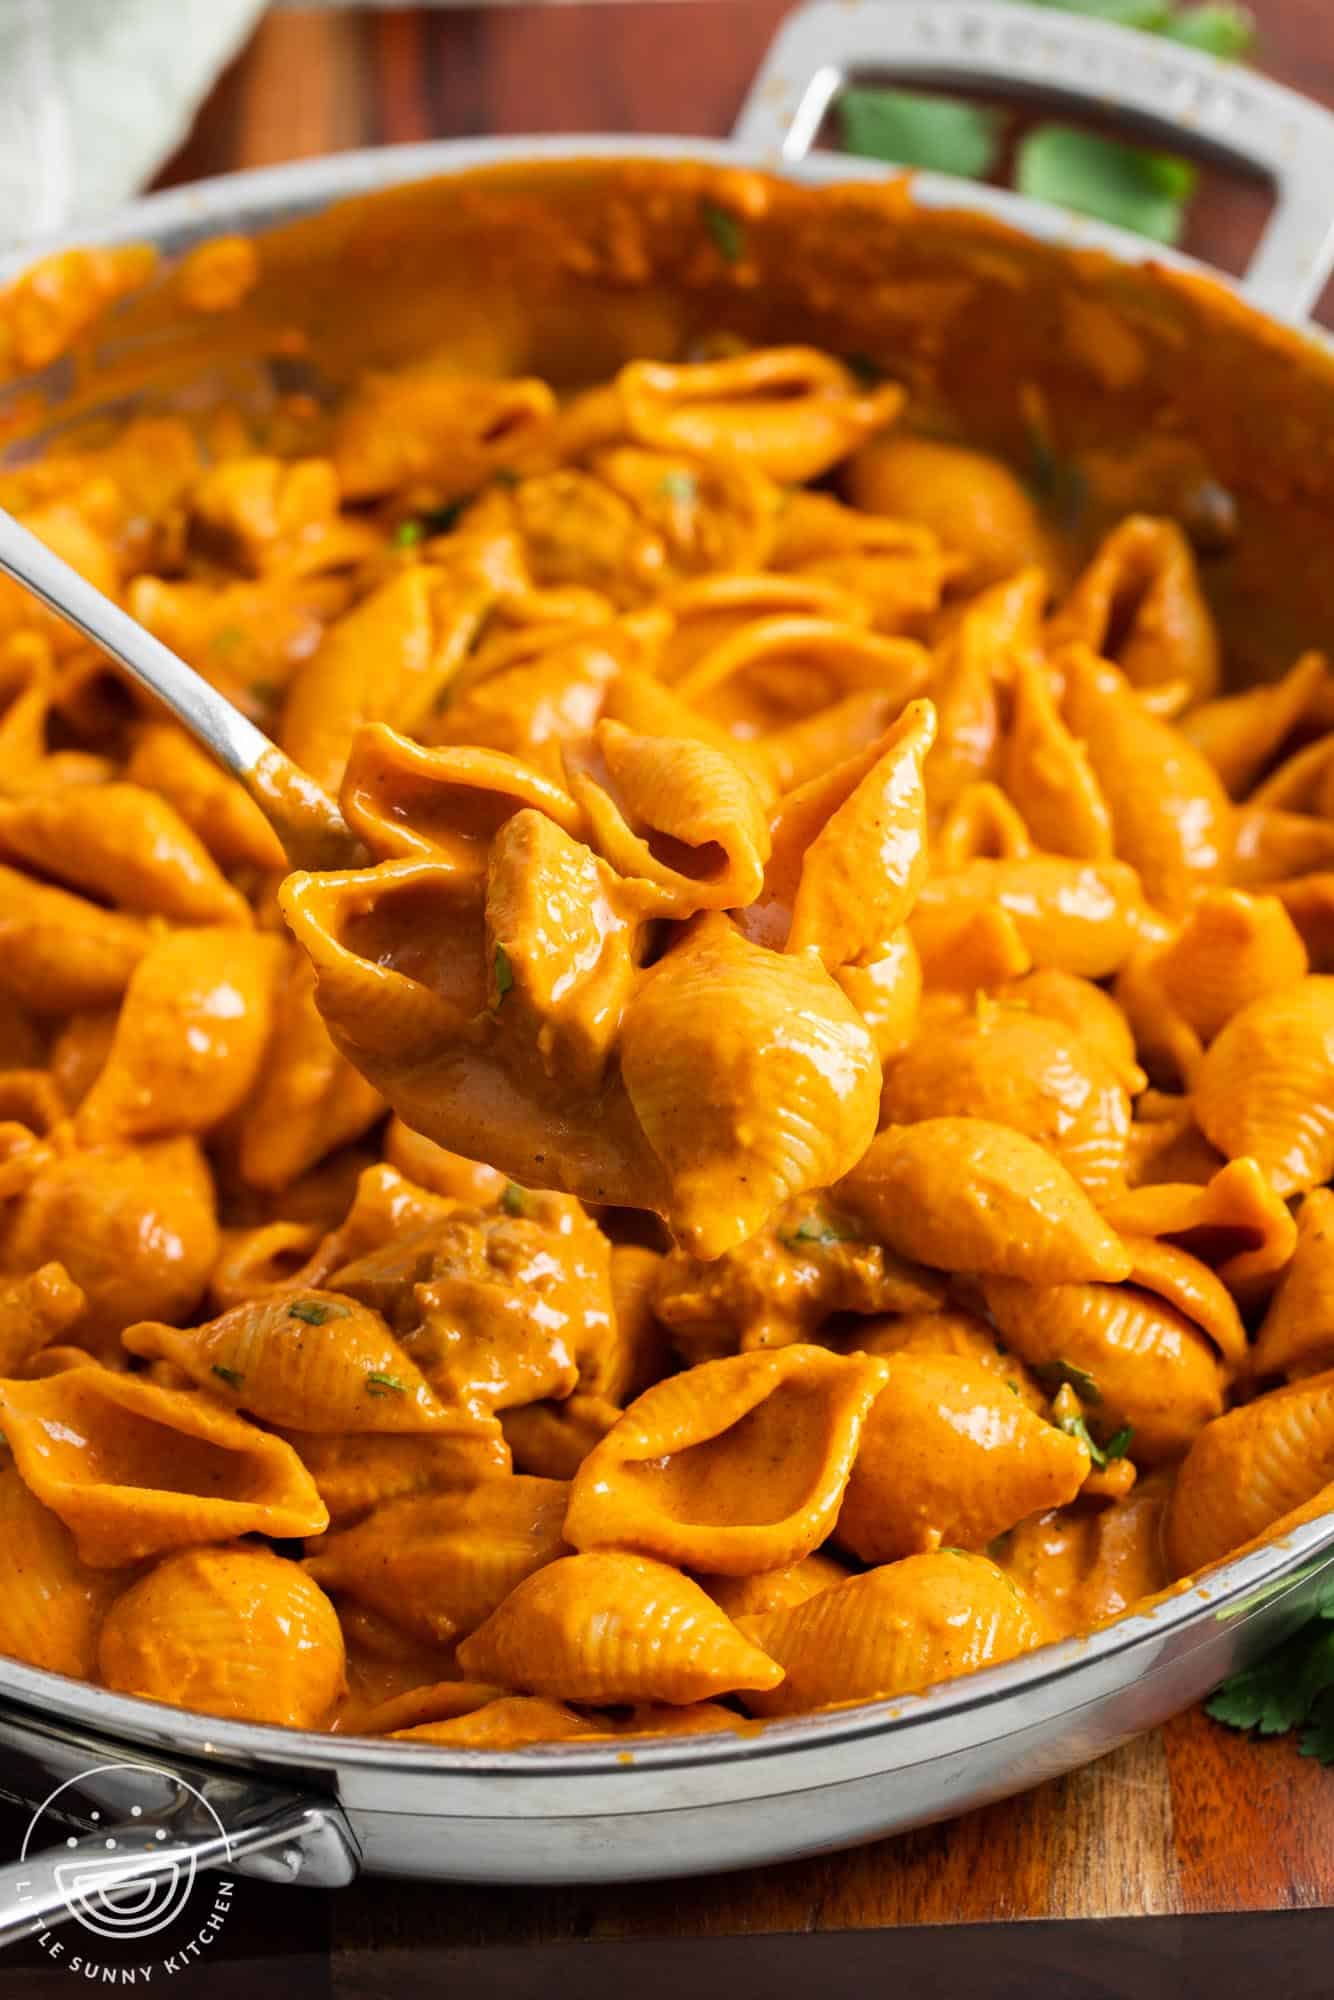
(134, 1875)
(1169, 93)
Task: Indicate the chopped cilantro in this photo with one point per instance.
(817, 1229)
(679, 486)
(231, 1376)
(513, 1200)
(316, 1311)
(504, 975)
(1073, 1424)
(727, 230)
(385, 1385)
(1051, 1374)
(407, 534)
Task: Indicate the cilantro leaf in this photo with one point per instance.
(385, 1385)
(1317, 1739)
(680, 486)
(316, 1311)
(913, 130)
(1073, 1424)
(1216, 26)
(1138, 190)
(1277, 1693)
(727, 230)
(1052, 1374)
(817, 1229)
(407, 534)
(231, 1376)
(504, 975)
(1150, 14)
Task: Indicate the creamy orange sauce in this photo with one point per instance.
(779, 1151)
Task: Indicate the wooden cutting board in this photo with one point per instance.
(1114, 1869)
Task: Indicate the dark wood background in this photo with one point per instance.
(1187, 1821)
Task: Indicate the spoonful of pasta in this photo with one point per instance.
(308, 823)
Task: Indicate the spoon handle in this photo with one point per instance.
(306, 821)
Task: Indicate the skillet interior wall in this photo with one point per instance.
(1124, 387)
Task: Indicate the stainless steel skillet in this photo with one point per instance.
(313, 1808)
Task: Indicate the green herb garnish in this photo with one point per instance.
(385, 1385)
(407, 534)
(1073, 1424)
(727, 230)
(817, 1229)
(513, 1200)
(504, 975)
(316, 1311)
(1052, 1374)
(1217, 27)
(679, 486)
(1292, 1688)
(1135, 189)
(912, 130)
(231, 1376)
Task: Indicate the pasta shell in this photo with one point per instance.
(423, 424)
(437, 1701)
(679, 817)
(134, 1226)
(1235, 1223)
(774, 1589)
(436, 1168)
(610, 1627)
(1083, 1566)
(1046, 772)
(714, 514)
(1077, 916)
(1015, 1067)
(792, 757)
(874, 841)
(1197, 1293)
(1133, 1358)
(1139, 602)
(1243, 733)
(1265, 1089)
(971, 500)
(1171, 818)
(577, 531)
(190, 1038)
(885, 986)
(1095, 1016)
(896, 1630)
(1297, 1333)
(955, 1335)
(60, 954)
(964, 1194)
(355, 1473)
(308, 1099)
(706, 610)
(1310, 903)
(781, 1075)
(635, 1351)
(51, 1604)
(982, 824)
(1269, 845)
(446, 803)
(133, 1470)
(308, 1360)
(782, 1284)
(791, 412)
(437, 1564)
(735, 1466)
(964, 946)
(237, 1632)
(700, 1718)
(1248, 1470)
(166, 761)
(507, 1724)
(1166, 1145)
(562, 922)
(552, 1440)
(777, 672)
(950, 1456)
(121, 843)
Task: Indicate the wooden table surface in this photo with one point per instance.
(1183, 1822)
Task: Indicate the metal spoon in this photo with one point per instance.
(306, 821)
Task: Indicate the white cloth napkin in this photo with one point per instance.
(94, 96)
